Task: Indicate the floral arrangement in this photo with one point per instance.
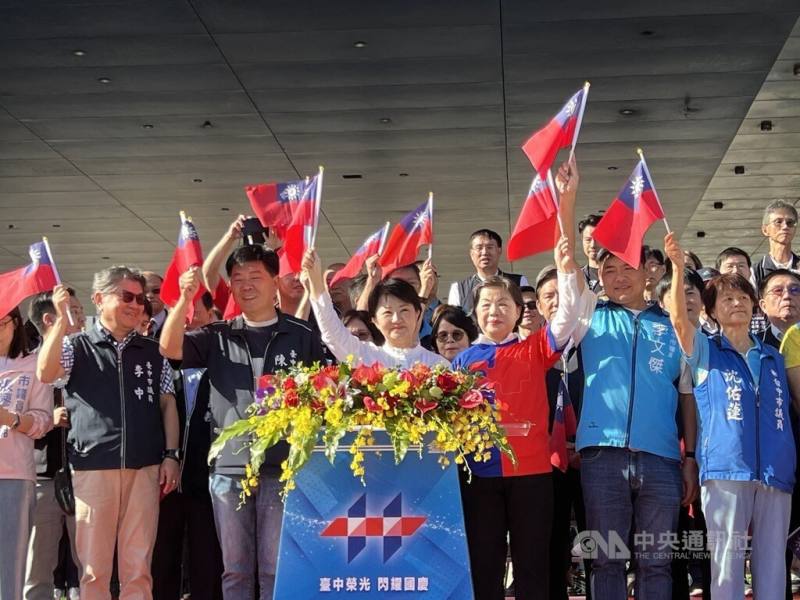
(452, 409)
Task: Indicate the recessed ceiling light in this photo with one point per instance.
(105, 258)
(796, 70)
(385, 120)
(56, 225)
(197, 180)
(701, 234)
(766, 125)
(647, 32)
(207, 125)
(360, 44)
(352, 176)
(147, 126)
(224, 208)
(402, 174)
(78, 52)
(11, 226)
(612, 168)
(627, 112)
(738, 170)
(718, 205)
(104, 80)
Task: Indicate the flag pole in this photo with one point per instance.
(653, 186)
(586, 87)
(551, 185)
(317, 202)
(55, 272)
(384, 236)
(430, 216)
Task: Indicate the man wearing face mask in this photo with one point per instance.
(123, 441)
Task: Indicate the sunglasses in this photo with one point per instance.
(128, 297)
(155, 291)
(530, 304)
(456, 336)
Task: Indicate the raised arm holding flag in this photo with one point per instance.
(412, 232)
(39, 276)
(374, 244)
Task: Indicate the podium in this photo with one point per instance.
(399, 536)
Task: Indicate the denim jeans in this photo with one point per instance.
(622, 488)
(17, 499)
(249, 536)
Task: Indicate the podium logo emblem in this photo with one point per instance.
(392, 527)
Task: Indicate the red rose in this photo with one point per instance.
(471, 399)
(291, 399)
(371, 405)
(424, 406)
(289, 384)
(446, 382)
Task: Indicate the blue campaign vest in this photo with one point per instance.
(631, 365)
(744, 430)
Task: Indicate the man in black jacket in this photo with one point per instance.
(234, 353)
(123, 440)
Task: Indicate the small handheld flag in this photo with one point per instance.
(561, 132)
(301, 232)
(40, 275)
(412, 232)
(633, 210)
(537, 227)
(372, 245)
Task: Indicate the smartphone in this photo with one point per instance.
(253, 232)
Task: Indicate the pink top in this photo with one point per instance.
(21, 392)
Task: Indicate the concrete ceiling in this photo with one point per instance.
(102, 169)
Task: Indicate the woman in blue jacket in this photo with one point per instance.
(745, 447)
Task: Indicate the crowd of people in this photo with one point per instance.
(685, 380)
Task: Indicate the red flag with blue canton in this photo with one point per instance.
(537, 226)
(37, 277)
(565, 426)
(543, 146)
(273, 203)
(372, 245)
(622, 229)
(412, 232)
(187, 254)
(301, 226)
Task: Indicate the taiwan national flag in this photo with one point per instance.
(565, 425)
(372, 245)
(561, 132)
(302, 228)
(537, 227)
(273, 203)
(412, 232)
(39, 276)
(636, 207)
(187, 254)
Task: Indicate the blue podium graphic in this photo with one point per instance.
(400, 536)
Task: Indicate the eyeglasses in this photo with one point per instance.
(456, 335)
(777, 292)
(781, 221)
(128, 297)
(529, 305)
(154, 291)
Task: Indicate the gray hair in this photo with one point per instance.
(108, 280)
(775, 206)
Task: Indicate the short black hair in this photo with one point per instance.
(717, 285)
(690, 276)
(527, 288)
(456, 316)
(589, 221)
(19, 343)
(695, 259)
(604, 253)
(41, 305)
(731, 251)
(402, 290)
(413, 266)
(762, 285)
(653, 253)
(207, 299)
(492, 235)
(245, 254)
(363, 316)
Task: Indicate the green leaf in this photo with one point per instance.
(232, 431)
(259, 448)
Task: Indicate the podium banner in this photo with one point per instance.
(400, 536)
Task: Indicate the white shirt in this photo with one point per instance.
(342, 343)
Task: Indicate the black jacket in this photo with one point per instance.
(114, 403)
(222, 349)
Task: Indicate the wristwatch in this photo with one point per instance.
(689, 454)
(16, 422)
(173, 453)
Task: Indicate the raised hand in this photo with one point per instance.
(373, 268)
(189, 283)
(564, 256)
(235, 229)
(568, 178)
(428, 277)
(312, 272)
(674, 252)
(61, 302)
